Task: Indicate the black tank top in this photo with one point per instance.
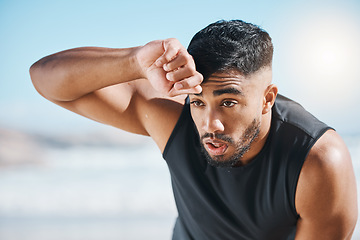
(255, 201)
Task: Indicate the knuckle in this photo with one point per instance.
(168, 57)
(188, 58)
(173, 41)
(192, 71)
(199, 76)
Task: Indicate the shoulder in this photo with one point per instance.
(294, 114)
(326, 191)
(329, 159)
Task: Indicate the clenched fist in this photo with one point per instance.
(169, 67)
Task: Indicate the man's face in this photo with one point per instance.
(228, 115)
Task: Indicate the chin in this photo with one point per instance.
(225, 163)
(221, 160)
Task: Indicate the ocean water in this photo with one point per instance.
(88, 193)
(95, 193)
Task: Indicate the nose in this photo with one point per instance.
(213, 123)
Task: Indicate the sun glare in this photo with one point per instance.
(327, 56)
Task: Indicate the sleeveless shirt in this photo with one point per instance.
(255, 201)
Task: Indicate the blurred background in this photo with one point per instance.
(65, 177)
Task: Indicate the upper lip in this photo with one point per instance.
(214, 141)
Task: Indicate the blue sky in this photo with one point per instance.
(316, 61)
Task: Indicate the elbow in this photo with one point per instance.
(49, 84)
(36, 78)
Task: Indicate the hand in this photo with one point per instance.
(169, 67)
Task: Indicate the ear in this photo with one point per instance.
(269, 98)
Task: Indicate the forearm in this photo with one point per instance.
(71, 74)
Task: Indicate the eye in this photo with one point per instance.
(228, 103)
(197, 103)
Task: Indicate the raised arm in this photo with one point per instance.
(326, 194)
(131, 89)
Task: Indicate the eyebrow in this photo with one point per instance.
(229, 90)
(218, 92)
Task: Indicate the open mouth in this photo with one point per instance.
(215, 147)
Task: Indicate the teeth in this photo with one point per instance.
(217, 145)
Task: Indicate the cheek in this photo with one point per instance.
(252, 110)
(238, 121)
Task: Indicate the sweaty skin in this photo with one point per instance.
(230, 104)
(237, 109)
(142, 90)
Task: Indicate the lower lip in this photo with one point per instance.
(216, 150)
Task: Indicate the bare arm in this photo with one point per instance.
(127, 88)
(326, 193)
(70, 74)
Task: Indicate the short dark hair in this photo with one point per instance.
(231, 45)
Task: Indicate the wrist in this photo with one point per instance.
(136, 62)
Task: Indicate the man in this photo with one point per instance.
(245, 162)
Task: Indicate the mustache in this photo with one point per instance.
(217, 136)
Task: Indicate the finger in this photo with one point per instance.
(189, 83)
(171, 49)
(195, 90)
(183, 58)
(181, 73)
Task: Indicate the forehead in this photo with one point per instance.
(220, 83)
